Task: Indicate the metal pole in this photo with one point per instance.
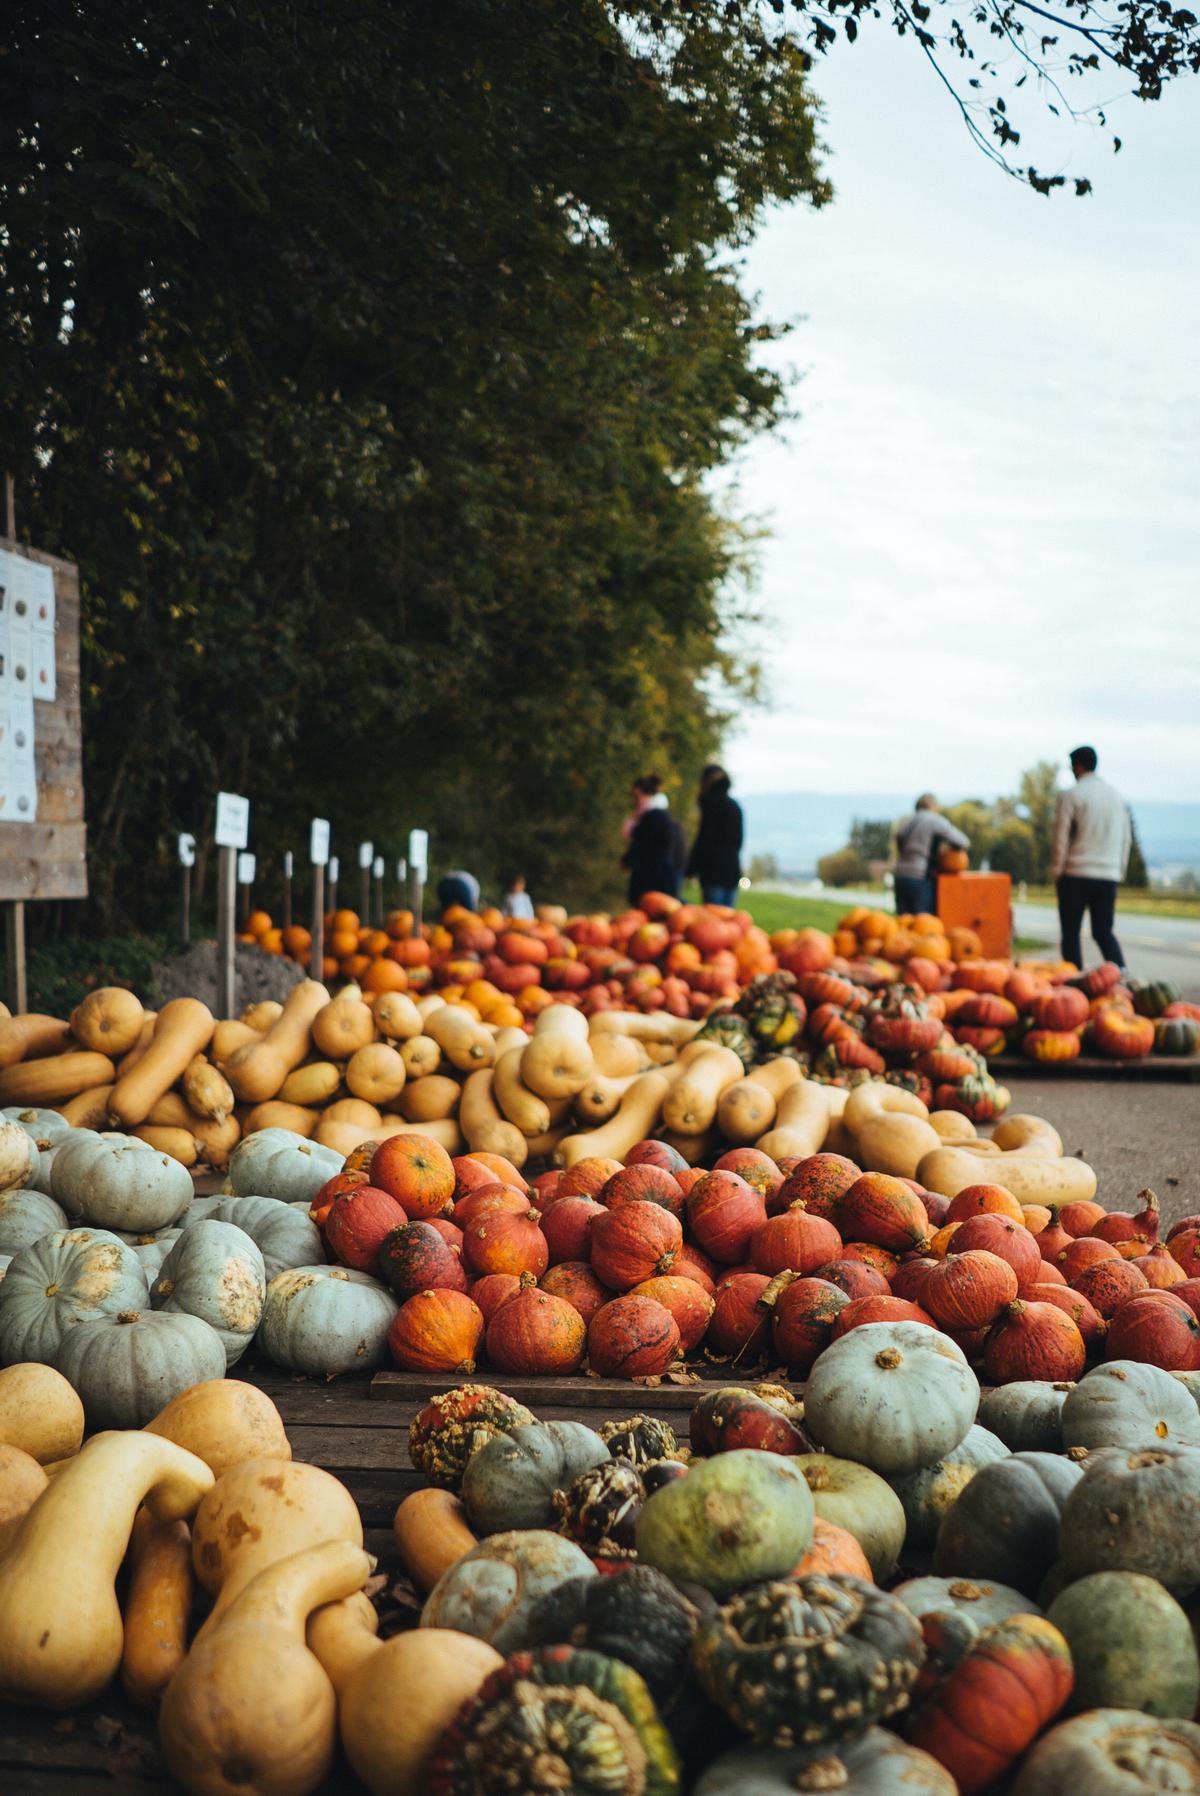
(287, 890)
(14, 954)
(226, 906)
(316, 965)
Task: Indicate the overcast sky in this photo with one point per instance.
(985, 524)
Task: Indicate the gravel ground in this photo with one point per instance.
(1136, 1134)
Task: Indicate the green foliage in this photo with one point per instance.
(62, 972)
(1136, 875)
(845, 867)
(779, 910)
(762, 866)
(372, 366)
(871, 840)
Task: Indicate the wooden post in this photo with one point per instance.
(287, 889)
(185, 907)
(226, 907)
(316, 965)
(366, 854)
(14, 939)
(378, 872)
(331, 897)
(416, 897)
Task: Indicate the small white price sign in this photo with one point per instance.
(333, 868)
(377, 869)
(245, 869)
(287, 863)
(187, 851)
(318, 842)
(418, 851)
(366, 853)
(233, 820)
(402, 871)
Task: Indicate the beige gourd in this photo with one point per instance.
(802, 1119)
(519, 1106)
(507, 1037)
(227, 1038)
(109, 1021)
(396, 1016)
(206, 1091)
(951, 1126)
(22, 1482)
(432, 1533)
(344, 1137)
(1033, 1172)
(634, 1120)
(56, 1079)
(250, 1709)
(184, 1029)
(223, 1422)
(88, 1109)
(690, 1107)
(31, 1034)
(275, 1114)
(654, 1025)
(485, 1129)
(388, 1736)
(465, 1042)
(421, 1056)
(262, 1015)
(258, 1070)
(314, 1084)
(216, 1141)
(157, 1607)
(430, 1098)
(747, 1107)
(356, 1111)
(427, 1004)
(128, 1061)
(617, 1056)
(376, 1073)
(890, 1127)
(557, 1060)
(60, 1624)
(343, 1026)
(180, 1144)
(601, 1097)
(39, 1412)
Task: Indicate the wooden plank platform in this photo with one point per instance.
(1183, 1069)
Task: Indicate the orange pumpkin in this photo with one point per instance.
(973, 1200)
(834, 1550)
(436, 1331)
(1004, 1690)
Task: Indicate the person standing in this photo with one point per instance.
(920, 838)
(517, 902)
(458, 887)
(715, 859)
(1089, 853)
(650, 856)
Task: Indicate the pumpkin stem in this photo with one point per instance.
(826, 1774)
(888, 1358)
(770, 1294)
(129, 1316)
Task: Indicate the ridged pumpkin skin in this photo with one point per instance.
(637, 1616)
(1027, 1416)
(634, 1242)
(1158, 1330)
(1008, 1686)
(511, 1480)
(1056, 1045)
(1136, 1512)
(984, 1200)
(884, 1211)
(794, 1241)
(1131, 1644)
(969, 1290)
(1009, 1240)
(535, 1332)
(436, 1331)
(723, 1212)
(325, 1319)
(503, 1242)
(740, 1323)
(927, 1494)
(802, 1320)
(66, 1278)
(632, 1337)
(1032, 1341)
(882, 1308)
(215, 1271)
(689, 1305)
(127, 1367)
(493, 1289)
(282, 1232)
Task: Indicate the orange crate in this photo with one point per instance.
(982, 902)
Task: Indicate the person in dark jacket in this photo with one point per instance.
(715, 859)
(651, 856)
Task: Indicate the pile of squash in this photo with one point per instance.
(900, 1584)
(1055, 1017)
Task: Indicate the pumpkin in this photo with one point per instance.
(1062, 1007)
(600, 1508)
(325, 1319)
(1055, 1045)
(215, 1271)
(277, 1163)
(223, 1422)
(559, 1718)
(1087, 1320)
(859, 1500)
(1125, 1225)
(536, 1332)
(802, 1321)
(969, 1290)
(634, 1242)
(1131, 1645)
(358, 1223)
(61, 1281)
(1010, 1240)
(436, 1331)
(25, 1216)
(632, 1337)
(1079, 1254)
(728, 1419)
(723, 1212)
(415, 1257)
(885, 1212)
(111, 1181)
(127, 1366)
(892, 1395)
(879, 1308)
(834, 1549)
(455, 1424)
(1135, 1511)
(878, 1258)
(1004, 1524)
(794, 1241)
(1158, 1330)
(567, 1226)
(502, 1242)
(685, 1300)
(1107, 1284)
(40, 1415)
(927, 1494)
(1176, 1035)
(1128, 1405)
(979, 1200)
(1159, 1268)
(511, 1479)
(1113, 1752)
(1152, 998)
(636, 1616)
(1034, 1340)
(737, 1517)
(854, 1277)
(740, 1323)
(808, 1660)
(818, 1182)
(642, 1439)
(874, 1763)
(492, 1590)
(642, 1183)
(488, 1198)
(282, 1232)
(1009, 1684)
(911, 1277)
(981, 1605)
(1118, 1036)
(575, 1280)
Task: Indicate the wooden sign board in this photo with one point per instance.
(47, 858)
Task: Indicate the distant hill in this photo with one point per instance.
(799, 827)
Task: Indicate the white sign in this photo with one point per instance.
(378, 867)
(41, 593)
(245, 869)
(187, 851)
(18, 788)
(233, 820)
(333, 870)
(287, 863)
(318, 841)
(418, 851)
(366, 853)
(402, 871)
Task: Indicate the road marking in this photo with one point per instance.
(1149, 941)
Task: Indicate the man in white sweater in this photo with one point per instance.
(1088, 857)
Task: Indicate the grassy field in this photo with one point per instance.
(779, 910)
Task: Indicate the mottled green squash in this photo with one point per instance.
(928, 1493)
(1113, 1752)
(1131, 1645)
(1004, 1525)
(1026, 1415)
(1136, 1512)
(511, 1481)
(491, 1592)
(738, 1517)
(854, 1497)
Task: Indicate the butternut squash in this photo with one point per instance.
(262, 1015)
(839, 1140)
(128, 1061)
(654, 1025)
(951, 1126)
(431, 1533)
(227, 1038)
(430, 1098)
(157, 1608)
(635, 1119)
(1029, 1134)
(486, 1131)
(258, 1070)
(39, 1412)
(207, 1092)
(180, 1144)
(58, 1649)
(421, 1056)
(343, 1026)
(1032, 1175)
(22, 1482)
(388, 1735)
(109, 1021)
(747, 1107)
(250, 1708)
(223, 1422)
(891, 1128)
(517, 1104)
(314, 1084)
(376, 1073)
(183, 1030)
(545, 1147)
(275, 1114)
(216, 1141)
(557, 1061)
(466, 1043)
(396, 1016)
(30, 1035)
(801, 1122)
(87, 1110)
(506, 1038)
(427, 1004)
(54, 1080)
(690, 1107)
(617, 1056)
(695, 1149)
(354, 1110)
(601, 1097)
(344, 1137)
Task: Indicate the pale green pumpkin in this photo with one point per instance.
(326, 1319)
(127, 1367)
(215, 1271)
(279, 1163)
(62, 1280)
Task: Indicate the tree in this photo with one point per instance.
(977, 822)
(762, 867)
(845, 867)
(1037, 796)
(1136, 874)
(871, 840)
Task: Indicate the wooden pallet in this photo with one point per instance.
(1181, 1068)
